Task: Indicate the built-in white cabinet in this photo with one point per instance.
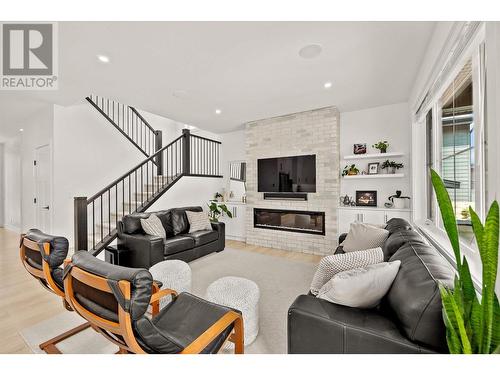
(375, 215)
(235, 227)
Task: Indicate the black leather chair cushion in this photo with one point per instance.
(58, 246)
(396, 224)
(318, 326)
(180, 323)
(398, 239)
(414, 298)
(202, 237)
(177, 244)
(140, 279)
(180, 223)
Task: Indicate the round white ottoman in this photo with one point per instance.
(240, 294)
(173, 274)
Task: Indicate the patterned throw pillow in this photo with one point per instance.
(363, 236)
(198, 221)
(333, 264)
(361, 287)
(153, 226)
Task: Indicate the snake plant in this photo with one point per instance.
(472, 325)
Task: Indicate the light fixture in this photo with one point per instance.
(327, 85)
(218, 111)
(21, 130)
(310, 51)
(103, 58)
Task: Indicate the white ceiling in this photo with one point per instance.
(250, 70)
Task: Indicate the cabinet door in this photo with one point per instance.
(345, 218)
(373, 217)
(389, 214)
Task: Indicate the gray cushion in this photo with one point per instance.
(174, 245)
(202, 237)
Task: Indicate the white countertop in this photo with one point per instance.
(372, 208)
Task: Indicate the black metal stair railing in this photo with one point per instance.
(129, 122)
(96, 218)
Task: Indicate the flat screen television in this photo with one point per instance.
(287, 174)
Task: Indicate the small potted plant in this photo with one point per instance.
(350, 170)
(218, 197)
(391, 166)
(382, 146)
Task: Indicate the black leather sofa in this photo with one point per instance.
(137, 249)
(408, 320)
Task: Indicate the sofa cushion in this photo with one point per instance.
(398, 239)
(153, 226)
(174, 245)
(201, 237)
(180, 223)
(414, 298)
(364, 236)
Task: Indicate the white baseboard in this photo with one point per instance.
(12, 228)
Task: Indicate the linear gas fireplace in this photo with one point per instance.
(289, 220)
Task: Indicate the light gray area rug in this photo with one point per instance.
(280, 281)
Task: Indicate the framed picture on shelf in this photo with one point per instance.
(359, 148)
(373, 168)
(367, 198)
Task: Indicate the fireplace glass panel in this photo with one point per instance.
(289, 220)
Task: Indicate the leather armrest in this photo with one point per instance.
(318, 326)
(144, 250)
(221, 229)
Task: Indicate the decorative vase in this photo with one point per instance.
(393, 170)
(399, 202)
(383, 150)
(352, 173)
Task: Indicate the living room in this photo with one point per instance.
(294, 187)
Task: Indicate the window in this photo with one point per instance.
(458, 167)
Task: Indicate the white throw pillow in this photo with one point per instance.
(153, 226)
(198, 221)
(333, 264)
(361, 287)
(363, 236)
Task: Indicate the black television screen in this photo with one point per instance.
(287, 174)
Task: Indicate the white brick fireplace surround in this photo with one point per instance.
(305, 133)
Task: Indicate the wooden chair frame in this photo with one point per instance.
(114, 331)
(44, 276)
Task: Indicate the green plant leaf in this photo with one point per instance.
(476, 326)
(447, 214)
(467, 287)
(450, 321)
(495, 336)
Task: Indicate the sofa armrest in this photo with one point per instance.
(221, 229)
(143, 250)
(317, 326)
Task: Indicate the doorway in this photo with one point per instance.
(42, 188)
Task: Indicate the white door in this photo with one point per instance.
(373, 217)
(42, 188)
(346, 217)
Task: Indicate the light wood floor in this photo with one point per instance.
(24, 302)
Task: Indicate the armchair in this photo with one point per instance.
(114, 299)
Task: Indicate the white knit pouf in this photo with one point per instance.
(173, 274)
(240, 294)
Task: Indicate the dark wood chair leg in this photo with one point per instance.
(49, 346)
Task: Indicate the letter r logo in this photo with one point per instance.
(27, 49)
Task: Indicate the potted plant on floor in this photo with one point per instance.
(472, 326)
(382, 146)
(216, 210)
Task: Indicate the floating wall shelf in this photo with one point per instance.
(374, 156)
(368, 176)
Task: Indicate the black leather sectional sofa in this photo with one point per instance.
(140, 250)
(409, 319)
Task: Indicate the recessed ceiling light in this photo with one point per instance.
(103, 58)
(310, 51)
(218, 111)
(21, 130)
(327, 85)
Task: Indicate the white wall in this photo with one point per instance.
(390, 123)
(11, 182)
(2, 185)
(233, 149)
(37, 132)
